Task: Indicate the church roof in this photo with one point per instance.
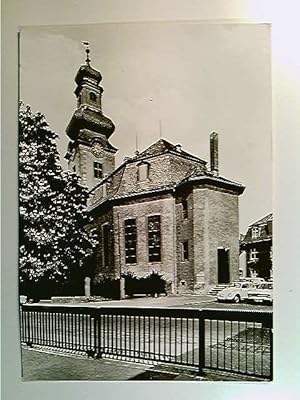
(172, 175)
(207, 178)
(163, 146)
(158, 148)
(264, 220)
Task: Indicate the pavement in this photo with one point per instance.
(42, 365)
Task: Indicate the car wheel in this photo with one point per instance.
(237, 299)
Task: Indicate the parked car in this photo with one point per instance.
(263, 293)
(254, 280)
(236, 292)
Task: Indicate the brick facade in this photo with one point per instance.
(184, 233)
(83, 159)
(141, 210)
(211, 224)
(216, 225)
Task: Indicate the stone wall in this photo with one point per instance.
(141, 210)
(216, 225)
(184, 232)
(83, 161)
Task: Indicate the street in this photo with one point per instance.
(171, 301)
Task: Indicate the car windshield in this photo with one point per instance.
(265, 286)
(235, 284)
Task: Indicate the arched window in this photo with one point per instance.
(93, 97)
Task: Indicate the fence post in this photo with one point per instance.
(28, 322)
(97, 333)
(201, 343)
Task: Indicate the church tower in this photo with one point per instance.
(90, 153)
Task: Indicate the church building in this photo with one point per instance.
(163, 209)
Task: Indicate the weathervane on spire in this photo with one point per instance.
(87, 50)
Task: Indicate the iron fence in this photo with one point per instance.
(228, 340)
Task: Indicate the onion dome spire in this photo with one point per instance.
(89, 114)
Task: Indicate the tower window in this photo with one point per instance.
(185, 251)
(185, 213)
(93, 97)
(130, 241)
(98, 170)
(154, 238)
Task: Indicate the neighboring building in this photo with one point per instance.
(257, 244)
(161, 210)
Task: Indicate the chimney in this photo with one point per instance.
(214, 154)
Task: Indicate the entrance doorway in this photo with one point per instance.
(223, 265)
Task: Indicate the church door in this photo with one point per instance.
(223, 265)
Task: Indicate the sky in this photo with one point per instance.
(183, 79)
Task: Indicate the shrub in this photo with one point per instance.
(131, 283)
(155, 283)
(107, 287)
(151, 284)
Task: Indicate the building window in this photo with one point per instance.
(98, 171)
(253, 255)
(105, 244)
(255, 232)
(185, 213)
(185, 251)
(130, 241)
(143, 171)
(93, 97)
(154, 238)
(271, 253)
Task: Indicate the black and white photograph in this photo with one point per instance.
(145, 202)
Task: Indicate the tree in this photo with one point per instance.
(54, 241)
(264, 265)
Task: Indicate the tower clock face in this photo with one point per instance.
(97, 150)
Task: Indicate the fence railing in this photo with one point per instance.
(232, 341)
